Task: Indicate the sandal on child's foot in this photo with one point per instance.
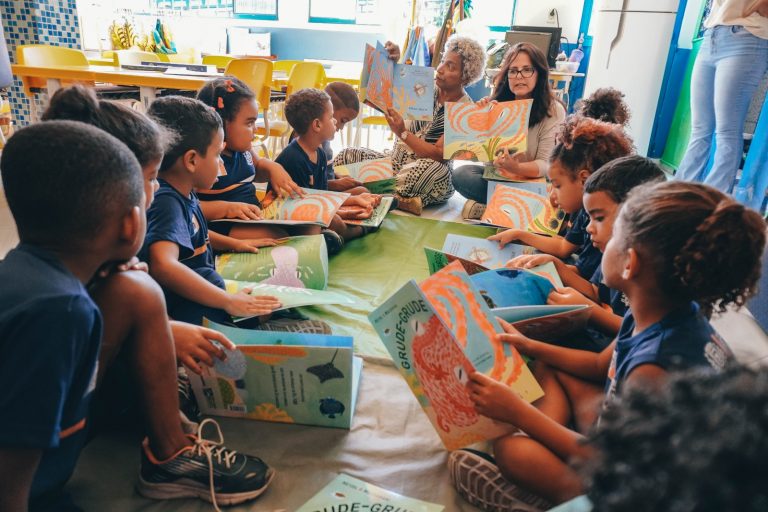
(409, 204)
(472, 210)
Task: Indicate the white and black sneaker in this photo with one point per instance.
(206, 470)
(478, 479)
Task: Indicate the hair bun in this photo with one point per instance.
(75, 103)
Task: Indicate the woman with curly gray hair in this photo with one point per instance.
(423, 176)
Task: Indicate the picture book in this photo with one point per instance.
(298, 262)
(479, 133)
(437, 260)
(407, 89)
(493, 173)
(377, 175)
(316, 207)
(545, 323)
(482, 251)
(349, 494)
(512, 287)
(437, 334)
(522, 206)
(310, 379)
(290, 297)
(378, 215)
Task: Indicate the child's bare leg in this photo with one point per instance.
(252, 231)
(346, 231)
(554, 403)
(585, 398)
(529, 464)
(133, 308)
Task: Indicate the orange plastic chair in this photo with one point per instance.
(257, 74)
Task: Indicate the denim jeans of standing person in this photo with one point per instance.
(730, 65)
(468, 181)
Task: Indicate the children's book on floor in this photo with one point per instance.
(522, 206)
(377, 175)
(437, 333)
(483, 251)
(348, 494)
(311, 379)
(378, 215)
(407, 89)
(480, 133)
(298, 262)
(316, 207)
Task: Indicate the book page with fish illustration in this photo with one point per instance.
(298, 261)
(457, 302)
(480, 133)
(316, 207)
(349, 494)
(522, 206)
(378, 215)
(546, 323)
(290, 297)
(482, 251)
(377, 175)
(435, 367)
(413, 91)
(309, 379)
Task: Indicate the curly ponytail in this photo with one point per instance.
(605, 104)
(225, 95)
(586, 143)
(704, 245)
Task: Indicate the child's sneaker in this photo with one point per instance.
(472, 210)
(477, 478)
(333, 241)
(205, 470)
(188, 408)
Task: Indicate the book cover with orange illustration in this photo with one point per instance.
(316, 207)
(522, 206)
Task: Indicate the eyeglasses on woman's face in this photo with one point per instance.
(525, 72)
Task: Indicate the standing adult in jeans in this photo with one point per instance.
(523, 75)
(731, 63)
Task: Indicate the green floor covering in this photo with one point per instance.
(372, 268)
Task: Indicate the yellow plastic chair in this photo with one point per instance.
(305, 75)
(257, 74)
(220, 61)
(133, 57)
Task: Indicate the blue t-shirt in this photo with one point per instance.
(613, 298)
(237, 184)
(305, 173)
(682, 339)
(589, 256)
(179, 219)
(50, 334)
(329, 173)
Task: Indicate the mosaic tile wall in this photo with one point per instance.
(52, 22)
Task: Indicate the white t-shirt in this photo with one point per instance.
(731, 12)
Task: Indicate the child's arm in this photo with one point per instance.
(17, 470)
(568, 273)
(224, 243)
(194, 345)
(602, 317)
(165, 267)
(500, 402)
(581, 363)
(554, 245)
(214, 210)
(277, 176)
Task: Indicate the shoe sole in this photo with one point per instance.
(481, 483)
(172, 491)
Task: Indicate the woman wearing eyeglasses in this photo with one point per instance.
(523, 75)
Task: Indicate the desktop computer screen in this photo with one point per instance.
(550, 49)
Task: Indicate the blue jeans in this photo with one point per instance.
(730, 65)
(468, 181)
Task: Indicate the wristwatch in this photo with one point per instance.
(404, 135)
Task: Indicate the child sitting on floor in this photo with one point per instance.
(310, 114)
(604, 192)
(48, 321)
(584, 146)
(678, 250)
(177, 247)
(605, 104)
(346, 107)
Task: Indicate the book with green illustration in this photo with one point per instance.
(348, 494)
(298, 262)
(493, 173)
(311, 379)
(437, 333)
(480, 133)
(317, 207)
(377, 175)
(378, 215)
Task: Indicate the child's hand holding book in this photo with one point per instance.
(494, 399)
(243, 304)
(194, 345)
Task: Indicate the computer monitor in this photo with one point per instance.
(554, 42)
(540, 40)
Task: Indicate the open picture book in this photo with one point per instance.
(376, 175)
(438, 332)
(316, 207)
(378, 215)
(522, 206)
(310, 379)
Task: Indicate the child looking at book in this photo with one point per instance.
(51, 325)
(669, 255)
(177, 246)
(584, 146)
(346, 107)
(233, 195)
(310, 114)
(604, 192)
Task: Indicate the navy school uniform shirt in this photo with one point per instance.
(179, 219)
(50, 334)
(589, 256)
(236, 185)
(303, 171)
(613, 298)
(682, 339)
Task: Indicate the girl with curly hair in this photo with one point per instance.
(423, 176)
(605, 104)
(677, 251)
(584, 146)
